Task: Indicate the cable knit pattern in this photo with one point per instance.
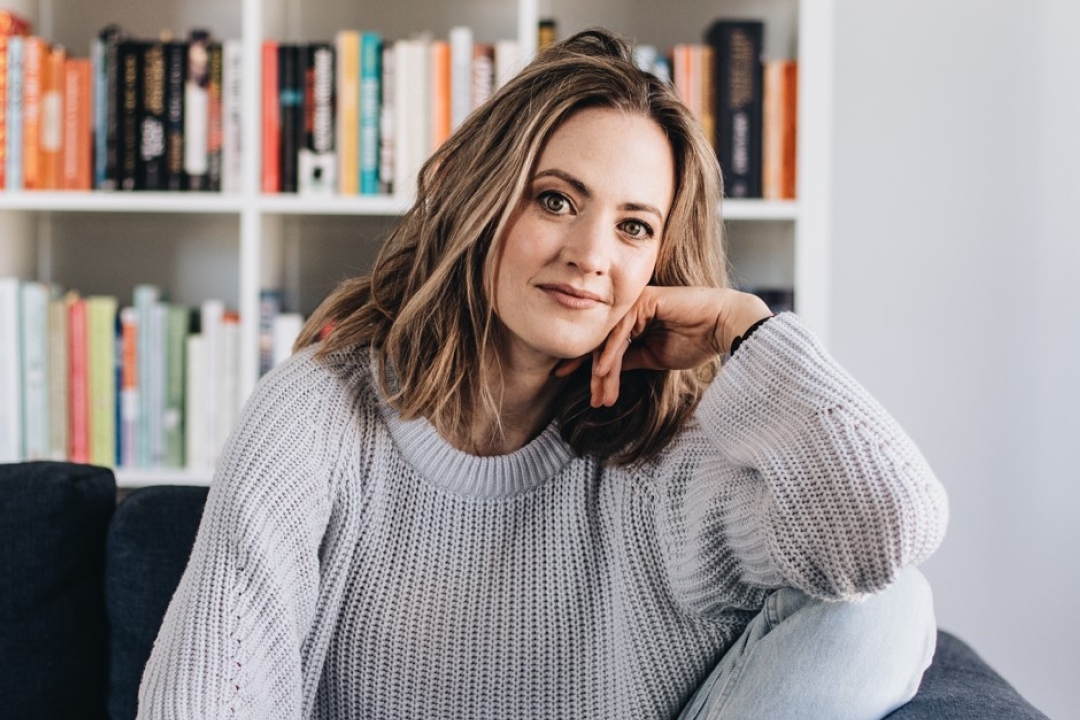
(354, 565)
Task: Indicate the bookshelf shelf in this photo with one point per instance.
(233, 246)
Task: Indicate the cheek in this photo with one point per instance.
(634, 276)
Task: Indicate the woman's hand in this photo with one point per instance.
(669, 328)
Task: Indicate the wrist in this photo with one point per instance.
(734, 326)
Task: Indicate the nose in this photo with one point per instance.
(588, 246)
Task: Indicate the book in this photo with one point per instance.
(145, 298)
(129, 98)
(232, 117)
(11, 26)
(176, 65)
(271, 123)
(387, 120)
(101, 370)
(214, 120)
(347, 43)
(106, 107)
(12, 23)
(439, 94)
(34, 311)
(483, 73)
(58, 379)
(13, 160)
(151, 163)
(737, 48)
(197, 111)
(779, 134)
(75, 153)
(10, 372)
(35, 54)
(52, 117)
(317, 163)
(78, 381)
(211, 320)
(508, 61)
(195, 453)
(461, 74)
(269, 308)
(129, 387)
(153, 381)
(371, 79)
(290, 114)
(286, 329)
(176, 332)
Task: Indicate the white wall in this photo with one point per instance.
(955, 258)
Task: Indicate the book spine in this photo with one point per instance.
(101, 324)
(269, 308)
(440, 98)
(151, 174)
(387, 120)
(214, 120)
(228, 399)
(34, 56)
(14, 95)
(212, 314)
(155, 383)
(318, 162)
(286, 330)
(129, 92)
(52, 118)
(107, 105)
(483, 73)
(507, 61)
(370, 90)
(291, 112)
(195, 373)
(197, 112)
(271, 119)
(176, 340)
(175, 77)
(145, 298)
(35, 370)
(76, 148)
(79, 382)
(348, 111)
(461, 58)
(12, 23)
(737, 48)
(11, 385)
(779, 133)
(232, 100)
(129, 387)
(4, 42)
(58, 379)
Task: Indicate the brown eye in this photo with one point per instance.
(637, 230)
(554, 202)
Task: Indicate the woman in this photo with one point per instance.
(506, 477)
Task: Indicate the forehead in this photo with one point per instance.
(614, 152)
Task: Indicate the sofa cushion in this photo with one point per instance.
(959, 685)
(149, 543)
(53, 641)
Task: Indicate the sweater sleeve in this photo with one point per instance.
(805, 480)
(231, 644)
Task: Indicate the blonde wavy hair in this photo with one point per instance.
(426, 309)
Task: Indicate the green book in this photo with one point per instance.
(176, 332)
(101, 345)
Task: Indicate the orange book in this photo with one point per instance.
(779, 115)
(34, 58)
(271, 120)
(52, 117)
(78, 119)
(3, 109)
(78, 381)
(440, 93)
(13, 24)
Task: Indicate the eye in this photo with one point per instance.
(637, 229)
(554, 202)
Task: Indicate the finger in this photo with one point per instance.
(617, 343)
(595, 386)
(611, 382)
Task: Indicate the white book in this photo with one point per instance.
(156, 382)
(508, 61)
(287, 328)
(59, 370)
(10, 372)
(212, 314)
(35, 370)
(14, 100)
(412, 97)
(232, 76)
(194, 393)
(461, 79)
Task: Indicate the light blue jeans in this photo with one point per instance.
(806, 659)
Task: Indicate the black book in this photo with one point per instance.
(317, 160)
(291, 98)
(738, 71)
(151, 169)
(129, 110)
(110, 37)
(175, 76)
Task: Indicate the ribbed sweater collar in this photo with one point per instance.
(480, 476)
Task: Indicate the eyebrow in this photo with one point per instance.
(584, 190)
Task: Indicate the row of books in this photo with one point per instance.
(137, 114)
(152, 384)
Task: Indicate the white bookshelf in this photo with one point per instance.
(231, 246)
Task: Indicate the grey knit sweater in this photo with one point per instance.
(352, 565)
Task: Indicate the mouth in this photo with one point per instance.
(572, 297)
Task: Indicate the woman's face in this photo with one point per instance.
(583, 242)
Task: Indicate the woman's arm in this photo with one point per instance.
(232, 642)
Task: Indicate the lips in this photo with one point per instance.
(572, 297)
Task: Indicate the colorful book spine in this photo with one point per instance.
(34, 60)
(78, 381)
(129, 387)
(101, 349)
(52, 118)
(14, 125)
(271, 119)
(371, 74)
(214, 120)
(387, 120)
(737, 48)
(440, 95)
(269, 308)
(317, 167)
(76, 146)
(779, 132)
(35, 370)
(12, 23)
(348, 142)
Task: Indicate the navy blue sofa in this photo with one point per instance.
(85, 584)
